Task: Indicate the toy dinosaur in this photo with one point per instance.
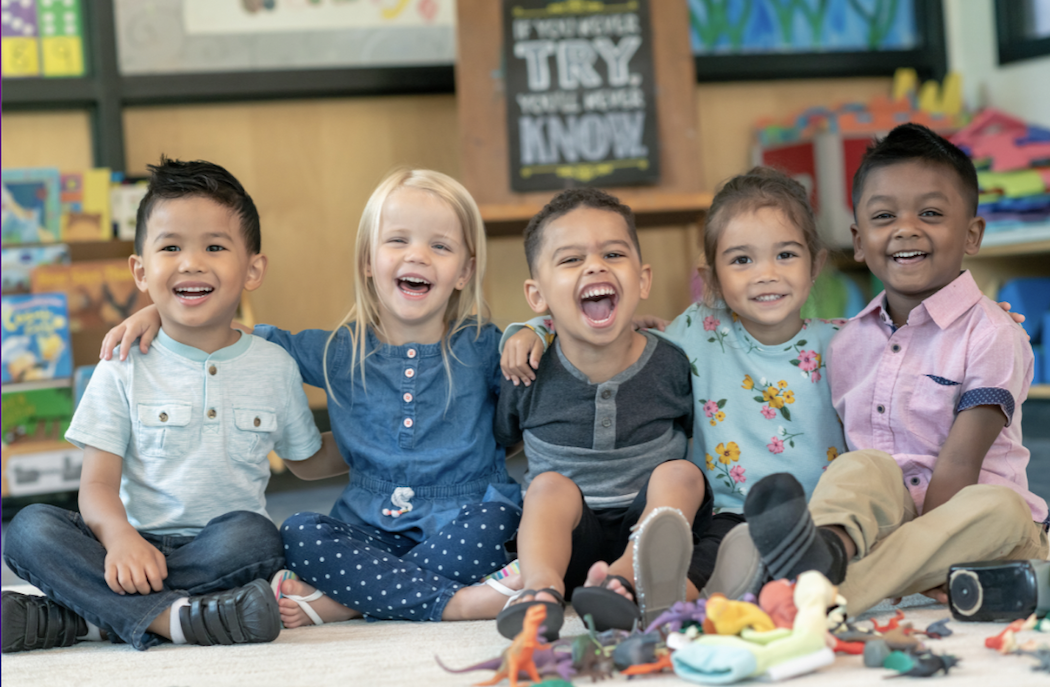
(518, 657)
(658, 666)
(680, 615)
(928, 664)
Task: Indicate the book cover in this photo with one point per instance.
(101, 293)
(85, 206)
(31, 208)
(37, 415)
(36, 344)
(19, 37)
(17, 264)
(61, 37)
(124, 204)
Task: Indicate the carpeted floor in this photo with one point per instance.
(357, 654)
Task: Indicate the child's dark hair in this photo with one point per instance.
(177, 179)
(759, 187)
(909, 142)
(564, 203)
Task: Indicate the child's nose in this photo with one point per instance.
(192, 261)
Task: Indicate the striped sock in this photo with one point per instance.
(785, 535)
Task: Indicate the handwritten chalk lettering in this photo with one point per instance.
(552, 139)
(575, 59)
(571, 27)
(606, 99)
(551, 103)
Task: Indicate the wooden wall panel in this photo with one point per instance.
(46, 139)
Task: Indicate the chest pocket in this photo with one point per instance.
(253, 434)
(931, 407)
(164, 429)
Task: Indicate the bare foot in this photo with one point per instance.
(479, 601)
(597, 574)
(292, 614)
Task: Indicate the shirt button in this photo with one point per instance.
(880, 408)
(256, 422)
(410, 373)
(915, 481)
(606, 394)
(408, 422)
(163, 417)
(411, 353)
(896, 348)
(211, 413)
(407, 397)
(212, 370)
(606, 422)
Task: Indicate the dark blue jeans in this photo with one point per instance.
(387, 576)
(55, 551)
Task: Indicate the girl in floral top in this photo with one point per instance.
(763, 401)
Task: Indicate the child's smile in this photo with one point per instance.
(598, 302)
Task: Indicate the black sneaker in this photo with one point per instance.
(37, 622)
(245, 615)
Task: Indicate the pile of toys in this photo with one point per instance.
(787, 631)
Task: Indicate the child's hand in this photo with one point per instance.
(134, 566)
(521, 355)
(650, 322)
(143, 326)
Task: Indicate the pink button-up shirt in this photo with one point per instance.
(899, 391)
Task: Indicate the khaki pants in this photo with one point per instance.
(901, 553)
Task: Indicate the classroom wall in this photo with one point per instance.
(310, 166)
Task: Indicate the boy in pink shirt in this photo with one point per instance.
(928, 381)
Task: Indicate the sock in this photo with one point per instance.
(784, 533)
(175, 626)
(837, 549)
(94, 633)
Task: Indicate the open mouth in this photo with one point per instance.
(415, 286)
(192, 293)
(769, 297)
(908, 257)
(598, 303)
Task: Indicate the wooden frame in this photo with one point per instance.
(930, 60)
(1011, 17)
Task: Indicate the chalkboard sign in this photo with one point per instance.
(580, 94)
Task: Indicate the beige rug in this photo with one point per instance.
(400, 654)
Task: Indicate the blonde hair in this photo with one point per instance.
(466, 307)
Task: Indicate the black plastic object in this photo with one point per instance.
(999, 590)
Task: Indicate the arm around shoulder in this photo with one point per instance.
(327, 462)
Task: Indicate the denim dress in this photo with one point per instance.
(429, 503)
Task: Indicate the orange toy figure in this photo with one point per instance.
(725, 617)
(518, 656)
(658, 666)
(777, 599)
(892, 624)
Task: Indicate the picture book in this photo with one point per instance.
(31, 207)
(124, 204)
(101, 293)
(85, 206)
(42, 38)
(37, 415)
(36, 344)
(18, 263)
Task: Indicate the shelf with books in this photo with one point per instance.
(1022, 240)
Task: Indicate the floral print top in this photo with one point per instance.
(760, 409)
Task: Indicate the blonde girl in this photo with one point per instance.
(412, 376)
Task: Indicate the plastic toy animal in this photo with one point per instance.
(681, 614)
(928, 664)
(518, 657)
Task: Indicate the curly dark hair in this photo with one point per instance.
(564, 203)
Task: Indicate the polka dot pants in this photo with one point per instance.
(384, 575)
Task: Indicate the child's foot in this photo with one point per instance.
(599, 575)
(299, 596)
(481, 601)
(785, 535)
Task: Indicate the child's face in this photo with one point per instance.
(589, 275)
(913, 228)
(194, 265)
(420, 259)
(765, 272)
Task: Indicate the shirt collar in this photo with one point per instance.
(197, 355)
(943, 307)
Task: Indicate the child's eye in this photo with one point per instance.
(786, 255)
(441, 246)
(215, 248)
(930, 213)
(565, 261)
(613, 256)
(740, 260)
(882, 215)
(169, 249)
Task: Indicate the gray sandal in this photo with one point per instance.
(663, 549)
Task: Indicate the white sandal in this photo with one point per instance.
(303, 601)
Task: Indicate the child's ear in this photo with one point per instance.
(138, 270)
(256, 271)
(858, 246)
(534, 297)
(818, 262)
(465, 275)
(647, 281)
(974, 236)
